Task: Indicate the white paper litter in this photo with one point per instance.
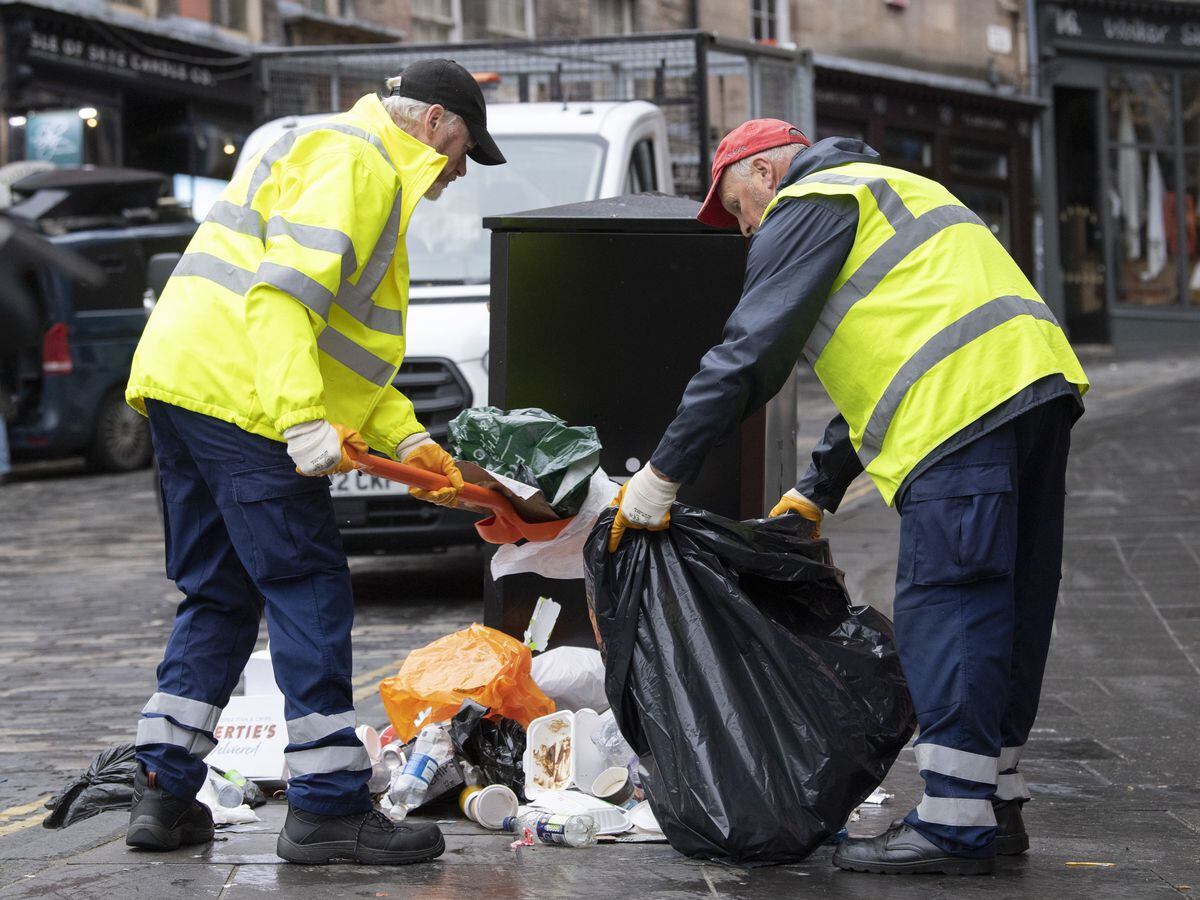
(878, 797)
(520, 488)
(573, 677)
(225, 815)
(563, 556)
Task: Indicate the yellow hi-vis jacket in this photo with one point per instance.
(289, 304)
(930, 323)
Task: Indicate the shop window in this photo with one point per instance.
(1145, 237)
(982, 162)
(911, 150)
(990, 204)
(436, 21)
(1191, 207)
(1140, 107)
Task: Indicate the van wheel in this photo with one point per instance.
(122, 439)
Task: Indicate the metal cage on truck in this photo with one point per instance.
(704, 83)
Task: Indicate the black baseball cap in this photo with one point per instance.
(445, 82)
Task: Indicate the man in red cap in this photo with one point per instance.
(956, 391)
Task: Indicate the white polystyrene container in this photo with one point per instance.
(609, 819)
(559, 753)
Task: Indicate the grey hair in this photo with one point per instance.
(783, 154)
(407, 112)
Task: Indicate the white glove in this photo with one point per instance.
(647, 498)
(411, 443)
(315, 447)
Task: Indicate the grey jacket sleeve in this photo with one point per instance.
(834, 466)
(792, 264)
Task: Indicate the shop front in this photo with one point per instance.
(971, 137)
(83, 90)
(1122, 169)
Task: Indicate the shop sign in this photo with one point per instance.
(77, 44)
(56, 137)
(251, 737)
(1125, 29)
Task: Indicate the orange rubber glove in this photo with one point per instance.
(795, 502)
(427, 454)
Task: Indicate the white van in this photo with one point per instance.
(557, 153)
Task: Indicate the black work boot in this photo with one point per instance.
(902, 850)
(1011, 839)
(161, 821)
(369, 837)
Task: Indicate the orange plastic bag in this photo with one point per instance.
(477, 663)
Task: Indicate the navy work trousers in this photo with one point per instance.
(980, 559)
(244, 531)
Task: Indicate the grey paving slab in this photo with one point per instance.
(134, 880)
(1113, 761)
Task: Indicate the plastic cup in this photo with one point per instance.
(492, 805)
(392, 755)
(613, 786)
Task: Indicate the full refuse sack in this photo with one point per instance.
(107, 784)
(477, 663)
(531, 446)
(764, 707)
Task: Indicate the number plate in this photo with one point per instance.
(360, 484)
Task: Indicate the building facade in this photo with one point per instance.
(1121, 170)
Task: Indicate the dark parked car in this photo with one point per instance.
(69, 386)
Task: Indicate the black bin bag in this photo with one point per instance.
(763, 705)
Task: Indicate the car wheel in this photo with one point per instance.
(122, 439)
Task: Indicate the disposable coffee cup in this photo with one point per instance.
(613, 786)
(491, 806)
(370, 739)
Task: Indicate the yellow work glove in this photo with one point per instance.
(795, 502)
(422, 452)
(318, 447)
(644, 501)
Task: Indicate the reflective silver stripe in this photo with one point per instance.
(157, 730)
(205, 265)
(1012, 787)
(327, 759)
(876, 267)
(385, 249)
(241, 219)
(356, 298)
(885, 195)
(315, 726)
(280, 149)
(1010, 756)
(957, 763)
(185, 711)
(954, 336)
(960, 811)
(295, 283)
(355, 358)
(317, 237)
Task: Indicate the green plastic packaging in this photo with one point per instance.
(533, 447)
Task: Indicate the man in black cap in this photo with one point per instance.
(273, 348)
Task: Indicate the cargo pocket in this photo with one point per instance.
(289, 519)
(959, 524)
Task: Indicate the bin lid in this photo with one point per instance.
(632, 213)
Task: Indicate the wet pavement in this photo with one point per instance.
(1114, 762)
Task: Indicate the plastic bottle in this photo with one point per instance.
(432, 751)
(563, 831)
(228, 794)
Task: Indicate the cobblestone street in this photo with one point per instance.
(1113, 761)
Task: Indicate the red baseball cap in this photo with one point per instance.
(747, 139)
